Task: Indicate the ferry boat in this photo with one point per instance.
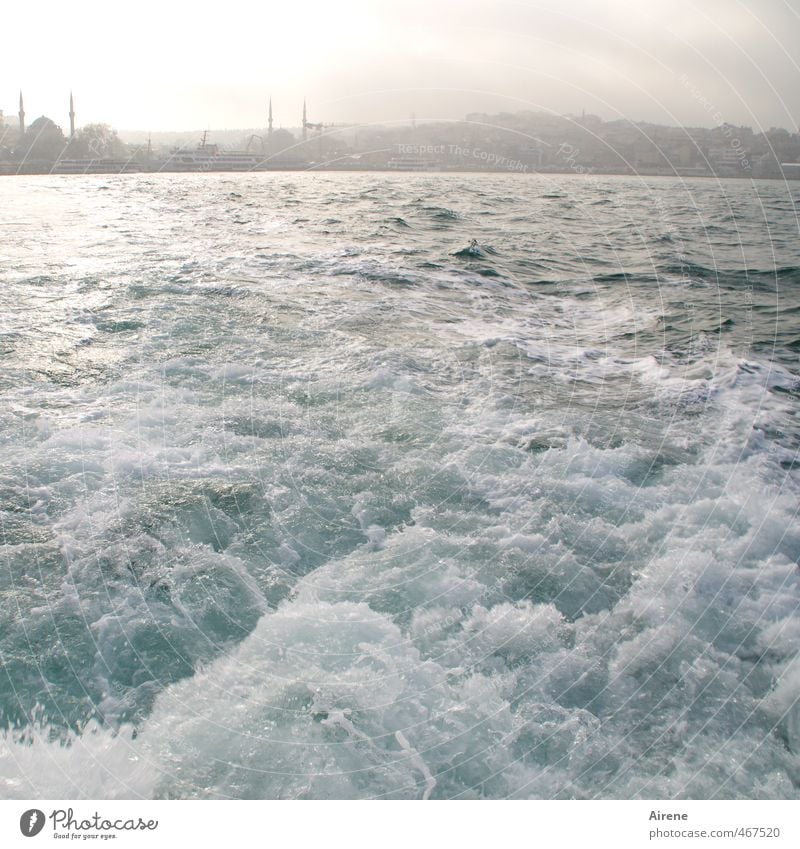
(96, 166)
(210, 157)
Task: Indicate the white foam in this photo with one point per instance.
(508, 547)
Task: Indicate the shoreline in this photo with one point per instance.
(94, 170)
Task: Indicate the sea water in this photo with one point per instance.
(306, 494)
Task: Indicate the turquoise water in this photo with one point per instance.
(303, 495)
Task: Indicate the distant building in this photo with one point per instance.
(728, 159)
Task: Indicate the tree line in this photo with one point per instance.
(44, 140)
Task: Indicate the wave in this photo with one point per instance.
(352, 518)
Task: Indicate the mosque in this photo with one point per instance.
(21, 117)
(42, 144)
(306, 125)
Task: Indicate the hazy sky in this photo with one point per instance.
(183, 65)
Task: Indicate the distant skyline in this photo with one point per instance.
(184, 65)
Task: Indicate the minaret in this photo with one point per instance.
(71, 117)
(21, 116)
(269, 120)
(305, 121)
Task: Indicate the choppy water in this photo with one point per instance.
(303, 496)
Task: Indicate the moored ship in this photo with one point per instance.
(210, 157)
(96, 166)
